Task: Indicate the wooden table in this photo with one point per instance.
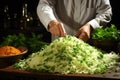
(9, 73)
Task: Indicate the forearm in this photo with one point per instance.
(104, 13)
(45, 13)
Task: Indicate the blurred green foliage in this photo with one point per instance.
(106, 33)
(33, 43)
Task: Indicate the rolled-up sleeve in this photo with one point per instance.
(104, 14)
(45, 11)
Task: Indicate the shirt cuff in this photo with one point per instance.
(47, 21)
(94, 24)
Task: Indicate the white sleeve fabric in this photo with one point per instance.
(104, 13)
(45, 13)
(94, 24)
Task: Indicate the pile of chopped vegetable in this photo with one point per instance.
(67, 55)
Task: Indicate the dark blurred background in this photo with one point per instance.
(15, 7)
(12, 25)
(116, 13)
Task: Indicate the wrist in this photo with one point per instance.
(90, 27)
(52, 23)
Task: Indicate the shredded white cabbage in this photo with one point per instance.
(69, 55)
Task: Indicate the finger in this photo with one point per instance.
(84, 36)
(57, 31)
(62, 30)
(78, 33)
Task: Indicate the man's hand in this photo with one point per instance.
(56, 28)
(84, 32)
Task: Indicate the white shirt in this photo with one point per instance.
(75, 13)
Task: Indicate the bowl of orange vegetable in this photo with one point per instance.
(10, 55)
